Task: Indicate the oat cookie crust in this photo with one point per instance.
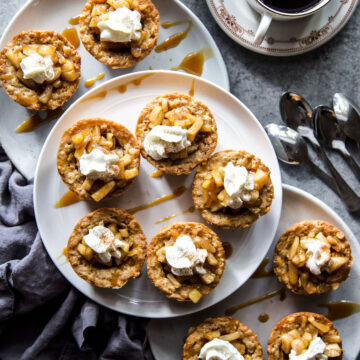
(246, 215)
(325, 281)
(120, 55)
(196, 339)
(95, 273)
(68, 165)
(157, 271)
(294, 321)
(204, 141)
(22, 94)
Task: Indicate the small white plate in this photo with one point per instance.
(167, 336)
(284, 38)
(237, 129)
(24, 148)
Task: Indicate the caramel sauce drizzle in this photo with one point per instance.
(67, 199)
(91, 82)
(178, 192)
(166, 218)
(193, 63)
(228, 249)
(175, 39)
(191, 91)
(191, 209)
(122, 88)
(340, 309)
(35, 120)
(263, 318)
(64, 253)
(101, 94)
(234, 309)
(261, 271)
(71, 34)
(74, 20)
(156, 174)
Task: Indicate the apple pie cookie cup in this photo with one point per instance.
(215, 204)
(312, 257)
(127, 248)
(226, 329)
(186, 286)
(118, 54)
(294, 333)
(53, 87)
(109, 140)
(191, 119)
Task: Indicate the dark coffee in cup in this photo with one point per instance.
(290, 6)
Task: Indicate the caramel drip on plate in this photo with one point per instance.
(122, 88)
(74, 20)
(101, 94)
(191, 91)
(64, 252)
(193, 63)
(263, 318)
(166, 218)
(35, 120)
(261, 271)
(178, 192)
(67, 199)
(191, 209)
(156, 174)
(340, 309)
(90, 82)
(71, 34)
(228, 249)
(175, 39)
(234, 309)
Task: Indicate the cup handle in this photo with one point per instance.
(262, 29)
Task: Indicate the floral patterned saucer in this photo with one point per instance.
(239, 21)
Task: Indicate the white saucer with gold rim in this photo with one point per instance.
(240, 22)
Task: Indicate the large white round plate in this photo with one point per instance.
(284, 38)
(24, 148)
(237, 129)
(167, 336)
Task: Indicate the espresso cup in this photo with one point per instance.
(268, 14)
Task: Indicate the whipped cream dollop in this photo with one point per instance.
(318, 254)
(103, 242)
(37, 68)
(315, 351)
(184, 258)
(218, 349)
(163, 140)
(98, 165)
(238, 184)
(123, 25)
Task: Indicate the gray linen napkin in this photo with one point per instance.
(74, 327)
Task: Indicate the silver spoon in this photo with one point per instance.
(291, 148)
(330, 134)
(298, 114)
(348, 116)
